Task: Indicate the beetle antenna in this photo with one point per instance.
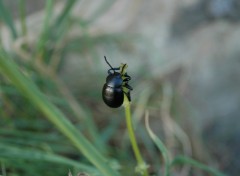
(108, 63)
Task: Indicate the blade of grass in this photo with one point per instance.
(22, 11)
(61, 18)
(12, 152)
(7, 18)
(55, 32)
(101, 10)
(61, 25)
(159, 144)
(45, 28)
(52, 113)
(3, 169)
(35, 139)
(186, 160)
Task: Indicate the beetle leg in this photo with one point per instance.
(113, 69)
(128, 95)
(127, 86)
(126, 80)
(127, 77)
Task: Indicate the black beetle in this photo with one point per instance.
(112, 92)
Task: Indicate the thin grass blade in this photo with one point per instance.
(7, 18)
(13, 152)
(160, 146)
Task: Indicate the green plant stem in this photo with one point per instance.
(140, 161)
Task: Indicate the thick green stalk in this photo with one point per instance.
(141, 164)
(29, 90)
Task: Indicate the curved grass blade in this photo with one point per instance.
(159, 144)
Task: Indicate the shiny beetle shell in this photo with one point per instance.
(112, 92)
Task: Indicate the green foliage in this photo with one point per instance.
(178, 159)
(44, 129)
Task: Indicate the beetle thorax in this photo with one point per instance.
(114, 80)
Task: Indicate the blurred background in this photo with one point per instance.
(183, 57)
